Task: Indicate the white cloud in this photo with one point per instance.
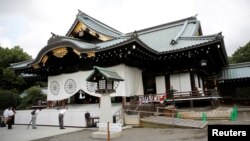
(28, 23)
(4, 42)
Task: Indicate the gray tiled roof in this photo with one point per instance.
(107, 73)
(74, 41)
(20, 64)
(96, 25)
(112, 42)
(159, 38)
(236, 71)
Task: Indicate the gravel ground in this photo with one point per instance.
(153, 134)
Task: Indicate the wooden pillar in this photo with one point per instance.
(215, 85)
(99, 102)
(191, 104)
(123, 101)
(205, 85)
(212, 103)
(218, 102)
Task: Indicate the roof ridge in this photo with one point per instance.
(103, 24)
(56, 37)
(203, 36)
(238, 65)
(173, 23)
(27, 61)
(121, 37)
(174, 40)
(71, 27)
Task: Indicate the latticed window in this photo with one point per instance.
(102, 84)
(110, 85)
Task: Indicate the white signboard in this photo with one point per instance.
(113, 127)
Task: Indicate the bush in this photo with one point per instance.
(34, 94)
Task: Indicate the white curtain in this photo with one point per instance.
(160, 84)
(66, 85)
(181, 82)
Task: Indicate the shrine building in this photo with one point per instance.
(150, 61)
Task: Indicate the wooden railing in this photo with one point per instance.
(201, 93)
(149, 98)
(118, 116)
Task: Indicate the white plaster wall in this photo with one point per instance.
(73, 117)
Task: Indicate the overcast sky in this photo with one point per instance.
(28, 23)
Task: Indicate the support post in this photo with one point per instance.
(108, 135)
(191, 104)
(123, 101)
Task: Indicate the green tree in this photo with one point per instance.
(9, 98)
(32, 96)
(11, 84)
(8, 79)
(242, 54)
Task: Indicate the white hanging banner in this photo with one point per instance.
(64, 86)
(160, 84)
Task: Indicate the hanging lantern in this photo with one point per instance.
(103, 80)
(203, 63)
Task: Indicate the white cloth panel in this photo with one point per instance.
(200, 79)
(180, 82)
(132, 84)
(160, 84)
(196, 81)
(185, 82)
(175, 82)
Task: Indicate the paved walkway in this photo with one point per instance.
(20, 132)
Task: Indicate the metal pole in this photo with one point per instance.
(29, 124)
(173, 119)
(108, 137)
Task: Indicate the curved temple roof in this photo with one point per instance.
(95, 25)
(166, 38)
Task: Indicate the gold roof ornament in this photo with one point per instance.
(45, 58)
(36, 66)
(60, 52)
(77, 52)
(91, 54)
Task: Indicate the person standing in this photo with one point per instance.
(34, 116)
(5, 114)
(88, 120)
(61, 116)
(10, 118)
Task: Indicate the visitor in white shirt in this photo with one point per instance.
(10, 121)
(61, 115)
(34, 118)
(5, 114)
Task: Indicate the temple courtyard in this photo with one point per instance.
(49, 133)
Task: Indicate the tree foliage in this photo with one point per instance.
(242, 54)
(33, 95)
(9, 98)
(8, 79)
(11, 84)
